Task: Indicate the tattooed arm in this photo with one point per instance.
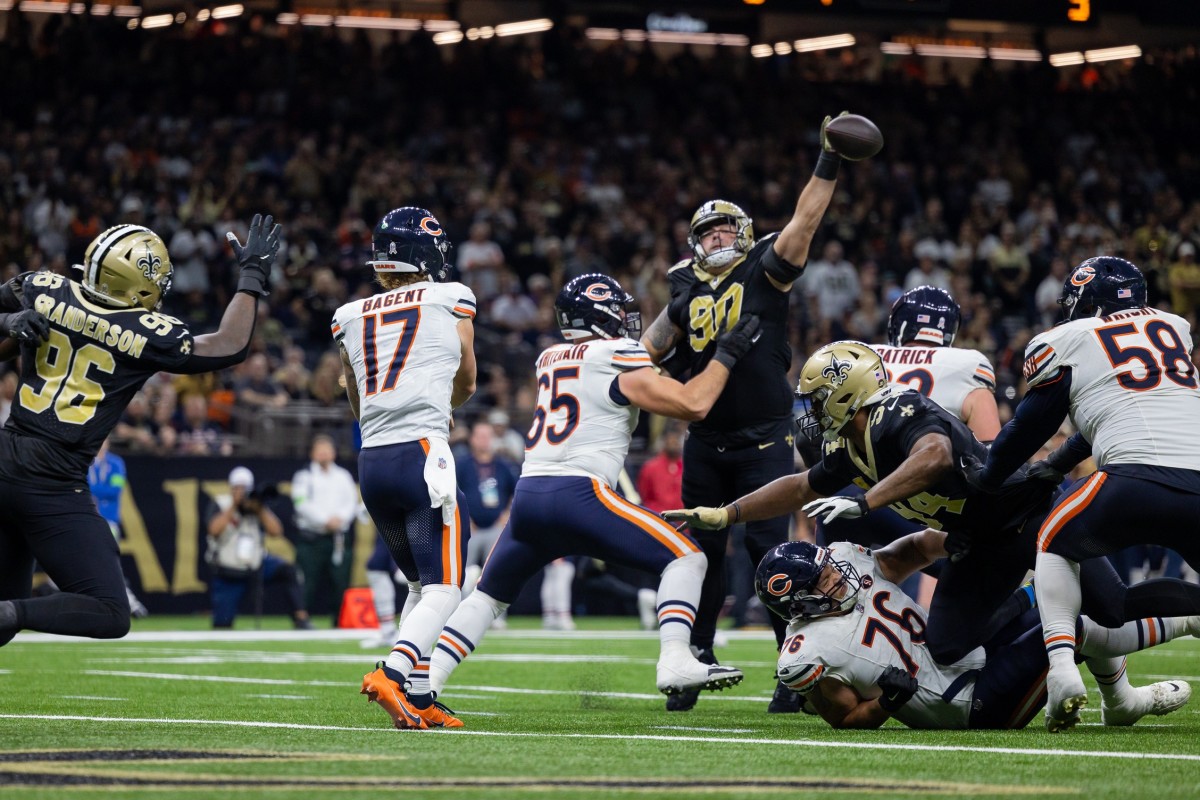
(660, 338)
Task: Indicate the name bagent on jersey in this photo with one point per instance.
(90, 325)
(392, 298)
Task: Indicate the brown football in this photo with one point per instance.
(854, 137)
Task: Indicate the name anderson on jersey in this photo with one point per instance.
(90, 325)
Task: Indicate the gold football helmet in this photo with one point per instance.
(127, 266)
(716, 212)
(835, 383)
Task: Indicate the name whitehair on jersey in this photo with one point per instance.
(392, 299)
(554, 356)
(94, 327)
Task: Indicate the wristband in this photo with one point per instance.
(827, 166)
(737, 509)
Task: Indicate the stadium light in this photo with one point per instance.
(1066, 59)
(520, 28)
(1112, 53)
(1013, 54)
(762, 50)
(225, 12)
(824, 43)
(950, 51)
(158, 21)
(895, 48)
(448, 37)
(42, 7)
(378, 23)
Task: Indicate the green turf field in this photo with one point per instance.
(277, 714)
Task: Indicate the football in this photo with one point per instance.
(854, 137)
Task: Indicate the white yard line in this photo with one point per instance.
(356, 634)
(724, 740)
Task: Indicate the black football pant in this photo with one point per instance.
(714, 476)
(63, 532)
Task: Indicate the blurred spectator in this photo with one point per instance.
(293, 376)
(831, 281)
(197, 434)
(660, 483)
(488, 483)
(509, 444)
(137, 431)
(480, 260)
(1185, 282)
(236, 554)
(928, 271)
(326, 500)
(255, 389)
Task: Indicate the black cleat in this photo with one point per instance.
(784, 701)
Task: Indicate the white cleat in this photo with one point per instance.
(1157, 699)
(647, 601)
(1193, 626)
(682, 675)
(1066, 696)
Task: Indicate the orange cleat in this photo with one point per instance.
(438, 716)
(379, 688)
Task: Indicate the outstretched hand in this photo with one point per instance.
(701, 518)
(257, 255)
(825, 145)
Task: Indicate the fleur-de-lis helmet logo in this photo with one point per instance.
(837, 371)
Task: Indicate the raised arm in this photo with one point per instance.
(910, 554)
(230, 344)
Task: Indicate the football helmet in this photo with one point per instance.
(719, 212)
(410, 239)
(925, 314)
(1100, 286)
(594, 305)
(788, 581)
(835, 383)
(127, 266)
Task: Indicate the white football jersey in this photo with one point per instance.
(405, 350)
(886, 628)
(578, 428)
(946, 375)
(1133, 385)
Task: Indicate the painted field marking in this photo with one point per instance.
(92, 697)
(810, 743)
(701, 730)
(280, 696)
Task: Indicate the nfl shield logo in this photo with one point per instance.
(441, 463)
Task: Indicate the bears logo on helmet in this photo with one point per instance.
(1082, 275)
(1100, 286)
(408, 240)
(774, 580)
(594, 305)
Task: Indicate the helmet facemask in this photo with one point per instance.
(710, 215)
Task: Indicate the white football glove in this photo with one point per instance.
(701, 518)
(440, 479)
(830, 508)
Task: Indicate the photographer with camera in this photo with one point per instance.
(236, 556)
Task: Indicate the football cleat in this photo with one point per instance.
(689, 674)
(1157, 699)
(381, 689)
(686, 701)
(1066, 697)
(784, 701)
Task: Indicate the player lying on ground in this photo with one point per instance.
(589, 393)
(856, 646)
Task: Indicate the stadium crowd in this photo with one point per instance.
(547, 157)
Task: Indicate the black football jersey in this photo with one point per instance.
(758, 392)
(893, 427)
(75, 386)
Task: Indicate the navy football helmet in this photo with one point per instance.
(925, 314)
(594, 305)
(410, 239)
(788, 577)
(1100, 286)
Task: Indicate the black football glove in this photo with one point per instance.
(1044, 471)
(736, 342)
(957, 544)
(898, 688)
(26, 326)
(256, 257)
(971, 469)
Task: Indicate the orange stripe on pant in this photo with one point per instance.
(1069, 509)
(626, 514)
(450, 549)
(1020, 717)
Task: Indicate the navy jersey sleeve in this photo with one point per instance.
(906, 420)
(169, 343)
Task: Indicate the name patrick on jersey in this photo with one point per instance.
(92, 326)
(905, 355)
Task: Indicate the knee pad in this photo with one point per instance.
(695, 564)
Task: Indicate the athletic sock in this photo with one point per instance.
(420, 627)
(1058, 600)
(678, 595)
(461, 635)
(1101, 642)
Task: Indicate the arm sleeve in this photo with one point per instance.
(1036, 419)
(1070, 453)
(824, 480)
(11, 293)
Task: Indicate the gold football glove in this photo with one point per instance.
(825, 145)
(701, 517)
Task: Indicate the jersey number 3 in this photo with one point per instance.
(408, 319)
